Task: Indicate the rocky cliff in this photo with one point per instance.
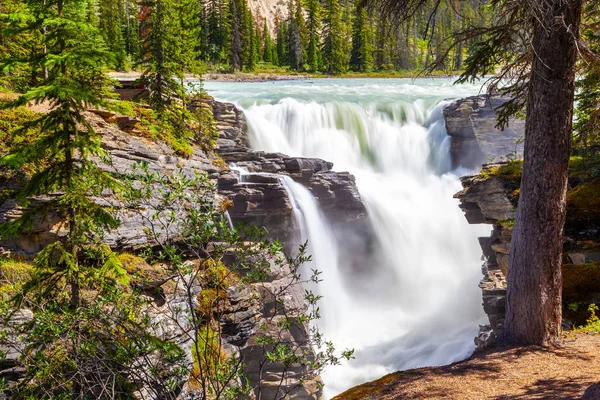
(471, 123)
(258, 198)
(491, 197)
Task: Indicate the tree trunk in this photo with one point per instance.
(533, 313)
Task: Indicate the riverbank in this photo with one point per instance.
(278, 76)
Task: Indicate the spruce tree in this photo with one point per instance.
(236, 18)
(297, 36)
(282, 43)
(109, 21)
(248, 38)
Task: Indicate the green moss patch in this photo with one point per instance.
(11, 121)
(216, 275)
(580, 281)
(142, 273)
(211, 301)
(510, 171)
(583, 202)
(13, 274)
(209, 357)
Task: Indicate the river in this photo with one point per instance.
(418, 304)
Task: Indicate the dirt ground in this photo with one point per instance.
(571, 371)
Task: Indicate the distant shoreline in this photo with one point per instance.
(268, 77)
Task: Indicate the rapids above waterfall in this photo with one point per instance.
(413, 300)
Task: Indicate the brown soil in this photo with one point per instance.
(571, 371)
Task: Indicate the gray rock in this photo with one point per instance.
(471, 123)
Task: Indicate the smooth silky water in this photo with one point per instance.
(414, 299)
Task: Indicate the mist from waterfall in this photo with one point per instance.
(413, 301)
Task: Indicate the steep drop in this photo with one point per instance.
(413, 299)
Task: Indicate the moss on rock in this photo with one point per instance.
(211, 301)
(580, 281)
(142, 273)
(13, 274)
(510, 171)
(583, 202)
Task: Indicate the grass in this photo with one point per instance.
(593, 322)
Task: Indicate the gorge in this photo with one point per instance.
(364, 171)
(399, 279)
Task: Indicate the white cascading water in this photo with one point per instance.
(415, 302)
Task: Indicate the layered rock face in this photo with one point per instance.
(471, 123)
(124, 150)
(260, 199)
(485, 200)
(491, 198)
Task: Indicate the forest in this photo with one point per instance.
(142, 220)
(332, 37)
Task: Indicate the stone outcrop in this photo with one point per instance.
(471, 123)
(485, 200)
(260, 199)
(488, 198)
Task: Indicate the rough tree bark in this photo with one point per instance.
(533, 313)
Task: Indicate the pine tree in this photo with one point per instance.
(237, 24)
(282, 43)
(131, 26)
(158, 61)
(297, 36)
(19, 44)
(248, 38)
(109, 22)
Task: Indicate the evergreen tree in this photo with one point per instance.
(297, 36)
(109, 22)
(131, 29)
(587, 122)
(314, 27)
(158, 61)
(74, 58)
(361, 58)
(334, 56)
(17, 42)
(282, 43)
(248, 38)
(237, 24)
(267, 45)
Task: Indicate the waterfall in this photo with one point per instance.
(415, 301)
